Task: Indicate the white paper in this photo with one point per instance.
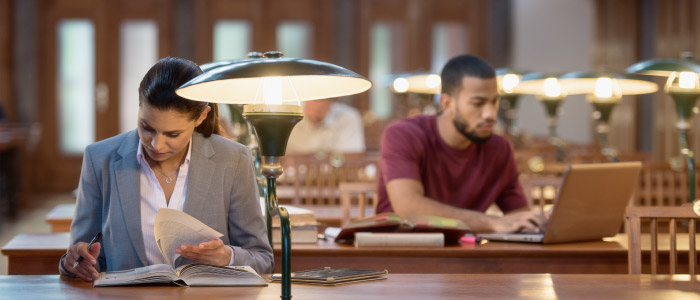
(173, 228)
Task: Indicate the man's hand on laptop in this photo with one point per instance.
(520, 221)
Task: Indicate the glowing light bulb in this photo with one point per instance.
(510, 81)
(432, 81)
(552, 88)
(603, 87)
(688, 80)
(400, 85)
(272, 90)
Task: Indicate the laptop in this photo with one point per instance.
(590, 205)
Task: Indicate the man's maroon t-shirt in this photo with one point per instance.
(472, 178)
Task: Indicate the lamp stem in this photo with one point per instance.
(286, 234)
(510, 111)
(684, 111)
(603, 129)
(555, 140)
(691, 163)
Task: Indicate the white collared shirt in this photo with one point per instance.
(153, 198)
(341, 130)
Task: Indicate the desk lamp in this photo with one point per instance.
(508, 80)
(684, 87)
(604, 91)
(551, 93)
(272, 88)
(423, 84)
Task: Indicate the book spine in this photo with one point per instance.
(373, 239)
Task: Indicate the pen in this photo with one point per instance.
(96, 239)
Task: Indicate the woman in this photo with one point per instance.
(175, 159)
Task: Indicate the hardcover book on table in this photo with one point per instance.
(331, 276)
(452, 229)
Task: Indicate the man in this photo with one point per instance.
(327, 126)
(450, 164)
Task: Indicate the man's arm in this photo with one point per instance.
(407, 198)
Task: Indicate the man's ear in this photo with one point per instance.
(203, 115)
(445, 101)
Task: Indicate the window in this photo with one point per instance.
(449, 40)
(385, 41)
(295, 39)
(76, 84)
(139, 51)
(232, 39)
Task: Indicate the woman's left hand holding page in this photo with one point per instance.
(212, 253)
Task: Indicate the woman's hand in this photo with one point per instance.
(86, 269)
(212, 253)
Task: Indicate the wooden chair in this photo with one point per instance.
(675, 215)
(540, 190)
(360, 193)
(660, 185)
(313, 179)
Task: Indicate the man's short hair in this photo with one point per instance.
(463, 66)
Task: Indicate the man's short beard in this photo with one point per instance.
(463, 128)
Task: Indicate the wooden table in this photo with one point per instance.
(61, 216)
(39, 254)
(30, 254)
(397, 286)
(600, 257)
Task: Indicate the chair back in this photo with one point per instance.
(357, 196)
(675, 216)
(313, 179)
(660, 185)
(540, 190)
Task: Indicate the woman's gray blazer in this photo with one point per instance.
(221, 192)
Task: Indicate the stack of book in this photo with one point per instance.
(303, 224)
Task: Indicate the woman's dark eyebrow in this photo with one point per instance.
(145, 124)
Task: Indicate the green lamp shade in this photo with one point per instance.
(585, 83)
(508, 80)
(536, 84)
(665, 66)
(419, 83)
(239, 82)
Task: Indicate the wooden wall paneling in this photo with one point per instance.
(615, 49)
(119, 11)
(6, 65)
(478, 28)
(208, 12)
(318, 12)
(369, 12)
(419, 35)
(58, 171)
(264, 17)
(677, 31)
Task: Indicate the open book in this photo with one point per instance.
(185, 275)
(172, 229)
(452, 229)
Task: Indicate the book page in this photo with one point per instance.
(149, 274)
(208, 275)
(173, 228)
